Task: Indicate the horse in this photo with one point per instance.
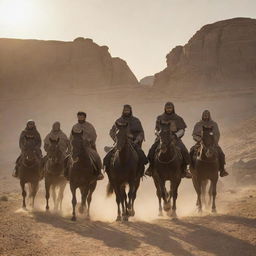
(123, 171)
(54, 178)
(167, 167)
(81, 173)
(206, 168)
(29, 171)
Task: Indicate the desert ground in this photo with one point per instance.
(232, 231)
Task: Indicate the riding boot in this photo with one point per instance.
(151, 155)
(15, 172)
(107, 159)
(222, 163)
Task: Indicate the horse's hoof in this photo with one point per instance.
(214, 211)
(160, 214)
(73, 218)
(131, 212)
(174, 215)
(125, 218)
(167, 207)
(80, 210)
(24, 208)
(118, 218)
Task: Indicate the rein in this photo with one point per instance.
(29, 166)
(169, 161)
(199, 157)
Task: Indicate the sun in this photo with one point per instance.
(16, 13)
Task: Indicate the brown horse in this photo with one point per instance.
(81, 173)
(206, 168)
(123, 171)
(54, 175)
(29, 171)
(167, 167)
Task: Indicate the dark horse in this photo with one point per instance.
(206, 168)
(54, 175)
(81, 173)
(29, 171)
(124, 170)
(167, 167)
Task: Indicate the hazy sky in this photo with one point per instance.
(141, 32)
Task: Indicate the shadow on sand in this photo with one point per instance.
(169, 236)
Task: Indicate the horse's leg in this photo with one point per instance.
(199, 189)
(130, 196)
(47, 192)
(204, 184)
(123, 197)
(60, 195)
(83, 200)
(24, 194)
(214, 193)
(74, 201)
(167, 205)
(34, 189)
(89, 198)
(53, 190)
(84, 197)
(158, 193)
(118, 201)
(210, 195)
(174, 189)
(134, 196)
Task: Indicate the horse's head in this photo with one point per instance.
(165, 135)
(29, 152)
(121, 134)
(79, 145)
(54, 152)
(208, 140)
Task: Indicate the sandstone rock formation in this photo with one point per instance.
(54, 65)
(219, 55)
(148, 81)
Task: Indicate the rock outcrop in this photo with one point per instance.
(219, 55)
(33, 64)
(147, 81)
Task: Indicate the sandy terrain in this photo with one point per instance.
(38, 233)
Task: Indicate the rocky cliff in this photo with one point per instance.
(53, 65)
(219, 55)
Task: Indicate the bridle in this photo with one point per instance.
(170, 160)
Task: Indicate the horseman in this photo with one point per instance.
(57, 134)
(30, 132)
(207, 121)
(136, 135)
(89, 134)
(177, 126)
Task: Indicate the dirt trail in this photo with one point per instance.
(39, 233)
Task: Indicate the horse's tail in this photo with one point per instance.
(110, 190)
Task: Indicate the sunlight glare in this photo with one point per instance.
(16, 13)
